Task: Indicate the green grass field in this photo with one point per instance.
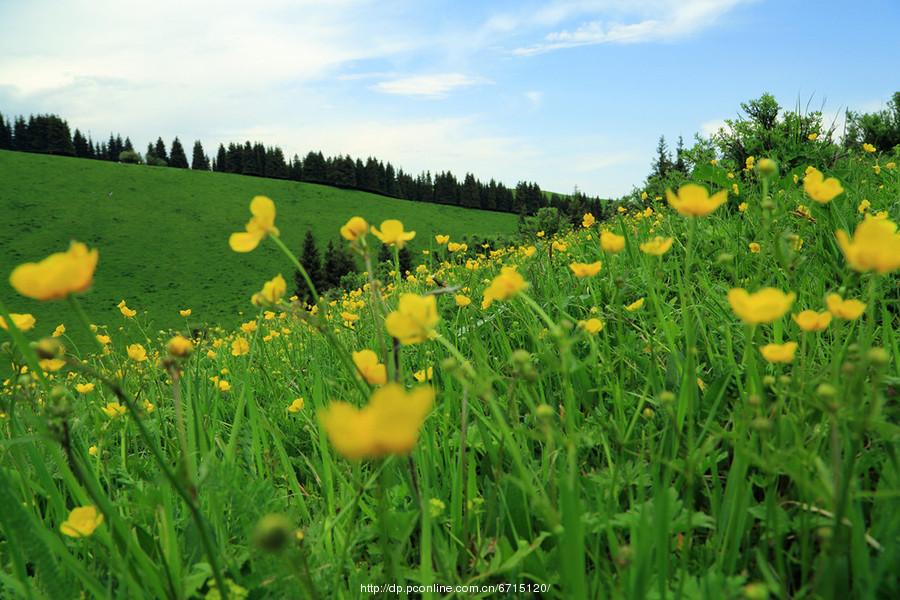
(641, 429)
(160, 232)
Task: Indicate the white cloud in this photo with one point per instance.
(431, 86)
(663, 20)
(708, 128)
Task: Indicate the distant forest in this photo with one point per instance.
(50, 134)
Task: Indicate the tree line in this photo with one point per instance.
(50, 134)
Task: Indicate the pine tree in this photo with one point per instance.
(177, 157)
(80, 144)
(250, 161)
(680, 162)
(128, 145)
(5, 134)
(160, 150)
(21, 139)
(221, 159)
(662, 164)
(199, 160)
(312, 262)
(470, 197)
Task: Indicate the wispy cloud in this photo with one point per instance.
(667, 20)
(435, 85)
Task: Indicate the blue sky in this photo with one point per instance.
(566, 93)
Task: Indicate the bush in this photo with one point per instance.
(130, 157)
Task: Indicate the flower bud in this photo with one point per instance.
(272, 532)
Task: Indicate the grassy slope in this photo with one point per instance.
(160, 231)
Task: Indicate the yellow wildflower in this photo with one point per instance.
(261, 224)
(392, 233)
(367, 364)
(779, 353)
(58, 275)
(763, 306)
(414, 320)
(875, 246)
(82, 522)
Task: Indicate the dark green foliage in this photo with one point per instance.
(312, 262)
(881, 129)
(199, 160)
(159, 150)
(177, 157)
(6, 140)
(338, 262)
(256, 159)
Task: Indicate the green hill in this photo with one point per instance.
(163, 233)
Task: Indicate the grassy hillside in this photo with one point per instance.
(160, 232)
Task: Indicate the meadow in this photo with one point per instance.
(160, 231)
(694, 399)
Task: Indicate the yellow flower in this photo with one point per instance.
(742, 207)
(239, 347)
(875, 246)
(528, 251)
(767, 166)
(462, 300)
(296, 406)
(392, 233)
(779, 353)
(52, 364)
(644, 195)
(389, 424)
(272, 292)
(423, 375)
(185, 312)
(415, 318)
(657, 246)
(863, 206)
(694, 201)
(810, 320)
(354, 229)
(454, 247)
(93, 451)
(820, 189)
(149, 407)
(736, 191)
(560, 246)
(754, 247)
(588, 220)
(104, 339)
(59, 331)
(261, 224)
(540, 234)
(849, 310)
(249, 327)
(764, 306)
(367, 364)
(84, 388)
(890, 165)
(441, 239)
(224, 386)
(137, 353)
(636, 305)
(113, 410)
(180, 346)
(592, 325)
(869, 148)
(812, 137)
(82, 522)
(585, 269)
(610, 242)
(23, 322)
(58, 275)
(126, 312)
(748, 164)
(504, 286)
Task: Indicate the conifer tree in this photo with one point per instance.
(312, 262)
(199, 160)
(221, 159)
(177, 157)
(160, 150)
